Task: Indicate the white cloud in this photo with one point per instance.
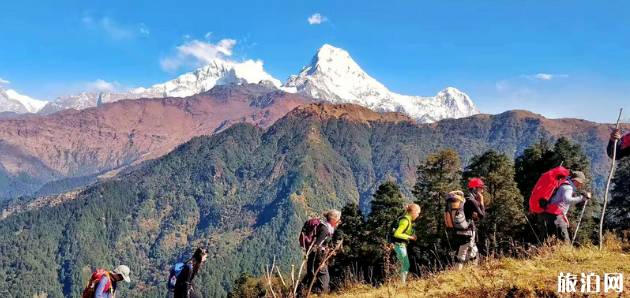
(545, 76)
(110, 27)
(317, 19)
(186, 36)
(144, 29)
(101, 85)
(4, 81)
(208, 35)
(502, 86)
(198, 53)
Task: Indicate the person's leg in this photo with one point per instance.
(323, 280)
(562, 229)
(463, 241)
(403, 259)
(472, 252)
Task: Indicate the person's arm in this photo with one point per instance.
(100, 288)
(478, 208)
(569, 196)
(322, 234)
(611, 146)
(188, 281)
(403, 224)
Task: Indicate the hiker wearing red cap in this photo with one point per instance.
(473, 208)
(623, 144)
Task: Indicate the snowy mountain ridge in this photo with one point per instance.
(335, 77)
(332, 76)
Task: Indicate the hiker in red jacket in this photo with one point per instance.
(623, 144)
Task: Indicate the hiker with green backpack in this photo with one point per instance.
(402, 235)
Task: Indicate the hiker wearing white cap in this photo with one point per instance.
(103, 283)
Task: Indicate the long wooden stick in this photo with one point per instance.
(610, 175)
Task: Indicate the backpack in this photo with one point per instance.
(308, 233)
(393, 227)
(454, 216)
(173, 274)
(90, 289)
(545, 189)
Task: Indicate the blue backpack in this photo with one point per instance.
(174, 273)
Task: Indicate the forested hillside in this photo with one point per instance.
(245, 193)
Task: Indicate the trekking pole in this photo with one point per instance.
(612, 170)
(579, 222)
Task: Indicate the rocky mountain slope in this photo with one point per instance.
(39, 150)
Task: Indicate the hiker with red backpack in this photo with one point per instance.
(316, 237)
(184, 285)
(466, 232)
(403, 233)
(623, 145)
(564, 195)
(103, 283)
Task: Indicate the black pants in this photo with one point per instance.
(554, 225)
(322, 280)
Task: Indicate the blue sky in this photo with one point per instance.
(492, 50)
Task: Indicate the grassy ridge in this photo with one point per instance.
(533, 274)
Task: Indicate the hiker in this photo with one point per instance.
(473, 209)
(322, 238)
(623, 145)
(403, 234)
(185, 287)
(103, 283)
(564, 197)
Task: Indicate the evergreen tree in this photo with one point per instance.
(618, 213)
(502, 198)
(352, 261)
(437, 176)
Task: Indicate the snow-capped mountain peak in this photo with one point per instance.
(335, 77)
(32, 105)
(217, 72)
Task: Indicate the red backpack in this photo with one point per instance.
(544, 190)
(90, 289)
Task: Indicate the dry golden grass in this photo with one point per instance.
(533, 276)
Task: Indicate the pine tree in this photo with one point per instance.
(618, 210)
(387, 206)
(504, 217)
(437, 176)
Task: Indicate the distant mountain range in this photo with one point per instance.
(332, 76)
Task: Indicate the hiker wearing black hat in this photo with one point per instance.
(623, 144)
(564, 197)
